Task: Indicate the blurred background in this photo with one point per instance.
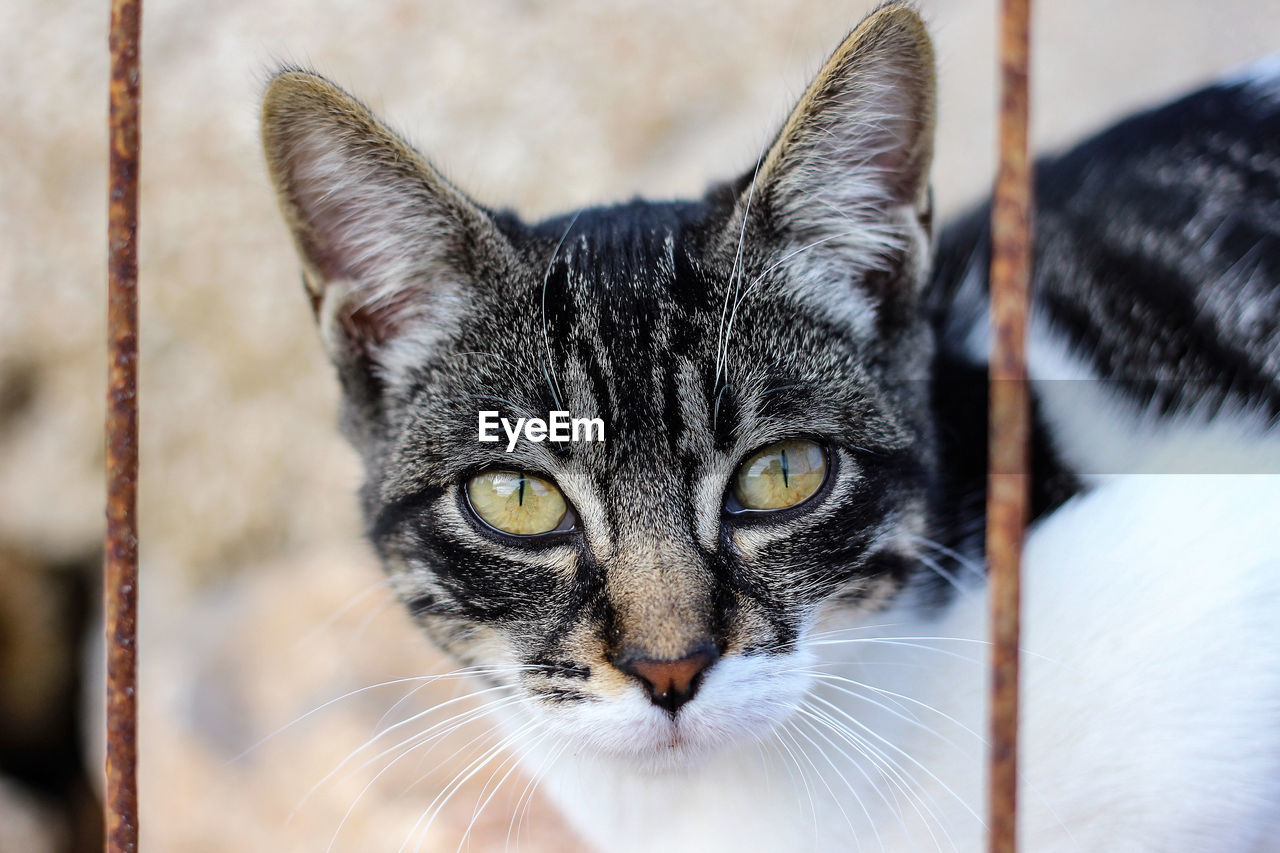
(260, 603)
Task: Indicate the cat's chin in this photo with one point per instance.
(673, 746)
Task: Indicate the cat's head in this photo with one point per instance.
(756, 359)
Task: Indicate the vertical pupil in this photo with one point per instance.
(785, 474)
(520, 498)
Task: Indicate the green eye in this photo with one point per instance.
(780, 475)
(516, 503)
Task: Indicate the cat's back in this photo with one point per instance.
(1157, 254)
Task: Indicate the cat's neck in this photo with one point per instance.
(960, 394)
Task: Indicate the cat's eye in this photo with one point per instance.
(517, 503)
(780, 475)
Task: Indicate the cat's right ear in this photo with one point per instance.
(387, 244)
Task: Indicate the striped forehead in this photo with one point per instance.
(633, 307)
(627, 314)
(627, 266)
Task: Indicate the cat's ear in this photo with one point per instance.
(848, 173)
(387, 245)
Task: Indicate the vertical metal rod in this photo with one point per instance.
(1010, 416)
(121, 560)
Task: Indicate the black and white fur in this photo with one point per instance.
(845, 710)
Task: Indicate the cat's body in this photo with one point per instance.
(698, 657)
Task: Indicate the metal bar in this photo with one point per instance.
(1010, 416)
(121, 560)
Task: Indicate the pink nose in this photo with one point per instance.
(670, 683)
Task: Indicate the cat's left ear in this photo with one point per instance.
(846, 180)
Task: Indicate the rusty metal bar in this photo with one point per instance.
(121, 560)
(1010, 417)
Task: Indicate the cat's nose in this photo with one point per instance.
(670, 683)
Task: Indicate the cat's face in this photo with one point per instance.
(757, 359)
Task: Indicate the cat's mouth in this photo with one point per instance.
(682, 741)
(740, 700)
(677, 740)
(672, 744)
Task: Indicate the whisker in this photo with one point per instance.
(876, 641)
(910, 642)
(814, 716)
(737, 301)
(485, 739)
(404, 749)
(862, 749)
(804, 779)
(352, 643)
(548, 363)
(522, 812)
(850, 628)
(891, 745)
(937, 569)
(893, 773)
(968, 563)
(517, 812)
(514, 760)
(423, 771)
(436, 731)
(499, 669)
(442, 799)
(334, 838)
(853, 833)
(519, 368)
(735, 278)
(440, 729)
(828, 677)
(457, 673)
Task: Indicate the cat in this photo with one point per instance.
(752, 617)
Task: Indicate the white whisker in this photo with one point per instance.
(891, 745)
(548, 363)
(442, 799)
(853, 833)
(433, 732)
(514, 760)
(893, 773)
(457, 673)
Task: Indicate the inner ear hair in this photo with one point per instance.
(860, 141)
(384, 239)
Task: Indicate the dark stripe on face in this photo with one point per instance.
(559, 668)
(673, 412)
(410, 508)
(583, 604)
(724, 417)
(425, 604)
(563, 694)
